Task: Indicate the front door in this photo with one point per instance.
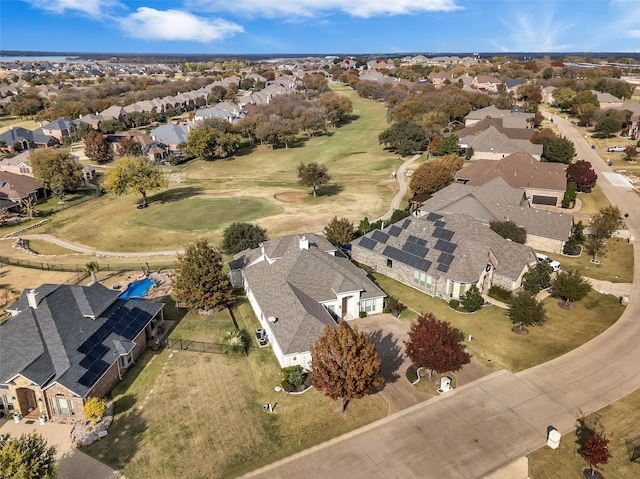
(344, 307)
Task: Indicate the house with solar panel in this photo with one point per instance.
(444, 256)
(66, 343)
(297, 286)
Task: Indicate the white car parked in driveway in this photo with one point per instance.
(555, 265)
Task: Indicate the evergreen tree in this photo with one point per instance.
(241, 236)
(201, 282)
(526, 310)
(27, 457)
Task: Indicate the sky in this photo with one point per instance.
(320, 26)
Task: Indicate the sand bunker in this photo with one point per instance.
(289, 197)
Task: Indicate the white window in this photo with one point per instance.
(368, 305)
(125, 361)
(421, 278)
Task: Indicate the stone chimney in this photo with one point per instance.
(304, 243)
(32, 299)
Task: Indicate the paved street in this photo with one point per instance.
(480, 427)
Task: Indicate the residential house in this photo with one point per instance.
(607, 100)
(298, 285)
(492, 144)
(498, 123)
(61, 129)
(17, 138)
(486, 83)
(544, 183)
(439, 78)
(495, 200)
(114, 112)
(19, 164)
(93, 120)
(15, 188)
(171, 135)
(64, 344)
(444, 255)
(511, 119)
(44, 140)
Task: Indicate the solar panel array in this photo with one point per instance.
(395, 231)
(124, 322)
(415, 249)
(415, 239)
(443, 267)
(442, 233)
(379, 236)
(439, 224)
(433, 217)
(405, 224)
(445, 258)
(368, 243)
(407, 258)
(446, 246)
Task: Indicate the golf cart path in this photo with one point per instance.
(85, 249)
(402, 188)
(481, 427)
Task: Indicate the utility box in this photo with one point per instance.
(553, 441)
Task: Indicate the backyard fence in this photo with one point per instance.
(77, 268)
(200, 347)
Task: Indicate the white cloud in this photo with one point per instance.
(633, 33)
(532, 32)
(310, 8)
(151, 24)
(93, 8)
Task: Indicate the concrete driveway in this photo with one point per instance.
(388, 333)
(72, 463)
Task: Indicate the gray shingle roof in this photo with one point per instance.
(467, 241)
(170, 134)
(58, 342)
(497, 201)
(292, 284)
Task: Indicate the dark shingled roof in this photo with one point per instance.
(59, 341)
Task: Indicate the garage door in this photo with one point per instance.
(544, 200)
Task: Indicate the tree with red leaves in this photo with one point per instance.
(581, 173)
(596, 451)
(345, 364)
(435, 345)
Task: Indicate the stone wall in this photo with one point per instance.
(545, 244)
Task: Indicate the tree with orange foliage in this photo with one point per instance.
(345, 364)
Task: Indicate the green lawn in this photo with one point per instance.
(616, 263)
(204, 213)
(196, 415)
(592, 202)
(621, 421)
(491, 329)
(362, 186)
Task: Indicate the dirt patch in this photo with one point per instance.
(565, 306)
(518, 330)
(289, 197)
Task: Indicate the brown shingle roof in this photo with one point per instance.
(519, 170)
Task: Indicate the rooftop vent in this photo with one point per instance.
(304, 243)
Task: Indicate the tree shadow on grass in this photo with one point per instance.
(176, 194)
(348, 119)
(123, 440)
(330, 190)
(390, 354)
(586, 428)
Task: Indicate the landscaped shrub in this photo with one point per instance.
(472, 300)
(500, 294)
(454, 304)
(234, 342)
(571, 247)
(294, 375)
(94, 409)
(363, 314)
(393, 306)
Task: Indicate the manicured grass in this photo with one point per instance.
(491, 328)
(620, 421)
(203, 213)
(361, 186)
(592, 202)
(616, 264)
(7, 123)
(46, 248)
(187, 414)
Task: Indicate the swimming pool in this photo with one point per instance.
(138, 289)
